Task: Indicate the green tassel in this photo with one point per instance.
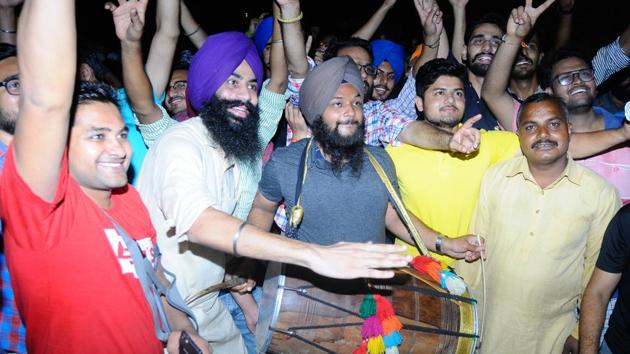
(368, 307)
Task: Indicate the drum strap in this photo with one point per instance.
(398, 203)
(297, 213)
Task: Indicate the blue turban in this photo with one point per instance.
(215, 61)
(263, 33)
(392, 52)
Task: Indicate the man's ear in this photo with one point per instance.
(419, 103)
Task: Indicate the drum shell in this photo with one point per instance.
(294, 298)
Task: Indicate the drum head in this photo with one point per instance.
(269, 306)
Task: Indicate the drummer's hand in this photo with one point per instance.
(172, 344)
(346, 260)
(244, 288)
(466, 247)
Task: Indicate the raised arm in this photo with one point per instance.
(432, 28)
(294, 47)
(279, 72)
(584, 145)
(612, 57)
(459, 28)
(565, 22)
(191, 28)
(464, 139)
(367, 30)
(47, 62)
(8, 25)
(494, 89)
(162, 50)
(129, 24)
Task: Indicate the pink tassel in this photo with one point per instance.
(371, 328)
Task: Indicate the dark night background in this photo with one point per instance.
(595, 22)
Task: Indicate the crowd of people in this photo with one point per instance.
(122, 196)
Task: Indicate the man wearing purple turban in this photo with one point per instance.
(192, 184)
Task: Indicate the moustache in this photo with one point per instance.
(170, 100)
(480, 54)
(544, 141)
(524, 58)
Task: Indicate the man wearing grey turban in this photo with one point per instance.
(339, 191)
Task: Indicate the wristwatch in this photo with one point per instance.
(438, 244)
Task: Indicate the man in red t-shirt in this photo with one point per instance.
(75, 282)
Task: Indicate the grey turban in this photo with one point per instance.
(322, 83)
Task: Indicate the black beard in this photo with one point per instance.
(238, 137)
(341, 149)
(7, 121)
(478, 69)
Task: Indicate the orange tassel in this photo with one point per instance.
(391, 324)
(428, 265)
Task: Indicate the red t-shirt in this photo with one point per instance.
(74, 280)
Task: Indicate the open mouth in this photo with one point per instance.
(380, 89)
(523, 61)
(239, 111)
(578, 90)
(484, 58)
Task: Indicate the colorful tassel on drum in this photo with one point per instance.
(375, 345)
(368, 306)
(391, 350)
(454, 284)
(428, 265)
(389, 322)
(362, 349)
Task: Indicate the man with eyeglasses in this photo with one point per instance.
(11, 329)
(175, 100)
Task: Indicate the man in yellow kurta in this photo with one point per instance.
(543, 217)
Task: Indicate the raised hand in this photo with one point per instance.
(296, 121)
(522, 19)
(458, 4)
(345, 260)
(430, 18)
(466, 138)
(128, 18)
(566, 5)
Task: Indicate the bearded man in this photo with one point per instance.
(342, 196)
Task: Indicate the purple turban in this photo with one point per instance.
(392, 52)
(215, 61)
(322, 83)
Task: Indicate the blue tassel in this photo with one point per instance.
(393, 339)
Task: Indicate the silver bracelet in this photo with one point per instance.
(438, 244)
(7, 31)
(235, 237)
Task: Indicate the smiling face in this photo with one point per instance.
(443, 102)
(578, 94)
(241, 86)
(344, 112)
(543, 133)
(362, 58)
(481, 47)
(527, 60)
(175, 100)
(99, 151)
(384, 81)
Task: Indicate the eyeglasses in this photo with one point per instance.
(179, 85)
(12, 85)
(480, 41)
(367, 69)
(565, 79)
(389, 76)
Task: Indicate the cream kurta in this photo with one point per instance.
(542, 245)
(184, 173)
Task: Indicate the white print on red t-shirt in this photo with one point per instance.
(122, 252)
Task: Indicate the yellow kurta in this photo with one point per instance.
(542, 245)
(441, 188)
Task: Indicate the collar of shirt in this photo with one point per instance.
(571, 172)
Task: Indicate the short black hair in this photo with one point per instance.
(88, 92)
(541, 97)
(432, 70)
(492, 18)
(553, 57)
(182, 62)
(7, 50)
(337, 45)
(95, 59)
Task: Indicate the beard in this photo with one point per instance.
(580, 106)
(343, 150)
(526, 74)
(238, 137)
(7, 121)
(477, 68)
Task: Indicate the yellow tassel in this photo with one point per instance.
(376, 345)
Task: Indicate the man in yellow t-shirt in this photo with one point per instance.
(442, 188)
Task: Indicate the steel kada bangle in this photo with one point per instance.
(235, 237)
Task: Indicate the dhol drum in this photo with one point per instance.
(302, 312)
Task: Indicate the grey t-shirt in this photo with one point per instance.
(336, 208)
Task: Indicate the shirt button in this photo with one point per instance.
(531, 234)
(538, 211)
